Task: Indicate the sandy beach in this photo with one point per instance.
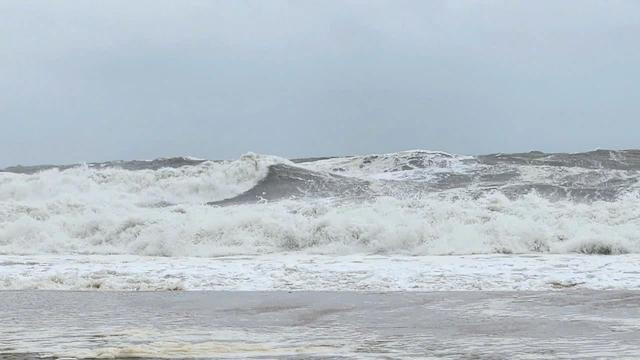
(568, 324)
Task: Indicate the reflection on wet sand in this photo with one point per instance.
(559, 324)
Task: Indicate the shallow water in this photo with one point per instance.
(453, 325)
(295, 271)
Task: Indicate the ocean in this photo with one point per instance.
(385, 228)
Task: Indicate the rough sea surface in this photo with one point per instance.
(416, 254)
(410, 203)
(263, 222)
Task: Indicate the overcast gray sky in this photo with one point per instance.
(104, 80)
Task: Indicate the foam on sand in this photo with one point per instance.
(318, 272)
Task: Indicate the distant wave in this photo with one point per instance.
(413, 202)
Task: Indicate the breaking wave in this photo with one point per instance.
(413, 202)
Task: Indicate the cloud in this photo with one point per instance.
(99, 81)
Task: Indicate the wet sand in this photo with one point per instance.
(209, 324)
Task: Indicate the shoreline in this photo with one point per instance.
(356, 272)
(320, 324)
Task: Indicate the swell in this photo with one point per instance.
(156, 164)
(290, 182)
(599, 175)
(598, 159)
(415, 202)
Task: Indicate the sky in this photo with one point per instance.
(105, 80)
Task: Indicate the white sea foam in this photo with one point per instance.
(294, 271)
(385, 225)
(198, 184)
(405, 165)
(162, 212)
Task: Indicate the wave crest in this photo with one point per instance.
(415, 202)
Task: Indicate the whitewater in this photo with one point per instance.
(412, 220)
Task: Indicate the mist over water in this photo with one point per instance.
(413, 202)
